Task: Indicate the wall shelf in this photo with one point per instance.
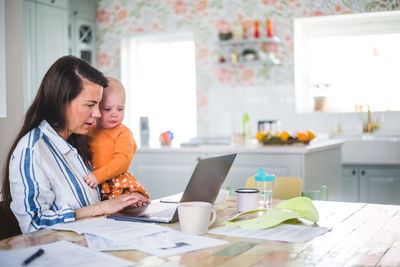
(249, 41)
(233, 52)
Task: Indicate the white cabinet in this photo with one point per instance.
(45, 40)
(371, 184)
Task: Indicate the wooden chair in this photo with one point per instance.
(8, 223)
(284, 187)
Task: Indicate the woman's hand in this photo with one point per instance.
(107, 207)
(91, 180)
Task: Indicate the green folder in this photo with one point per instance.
(295, 208)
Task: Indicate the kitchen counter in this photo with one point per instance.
(314, 146)
(166, 170)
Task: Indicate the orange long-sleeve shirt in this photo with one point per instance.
(113, 151)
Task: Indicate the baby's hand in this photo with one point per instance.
(91, 180)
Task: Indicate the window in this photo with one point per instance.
(159, 74)
(3, 102)
(349, 61)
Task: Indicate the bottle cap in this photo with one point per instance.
(261, 176)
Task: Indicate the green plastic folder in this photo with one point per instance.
(295, 208)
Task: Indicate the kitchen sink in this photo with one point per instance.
(367, 137)
(370, 149)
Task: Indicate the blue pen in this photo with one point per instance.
(37, 254)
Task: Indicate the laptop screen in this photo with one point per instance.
(207, 178)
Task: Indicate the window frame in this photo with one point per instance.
(128, 46)
(330, 26)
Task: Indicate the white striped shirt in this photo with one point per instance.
(46, 180)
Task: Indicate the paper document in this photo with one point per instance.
(101, 244)
(110, 229)
(60, 254)
(158, 240)
(283, 232)
(181, 243)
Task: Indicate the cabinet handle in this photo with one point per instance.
(363, 172)
(353, 172)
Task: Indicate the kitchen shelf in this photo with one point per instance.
(274, 61)
(249, 41)
(263, 57)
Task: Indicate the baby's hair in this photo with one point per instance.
(114, 86)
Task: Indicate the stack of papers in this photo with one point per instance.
(106, 234)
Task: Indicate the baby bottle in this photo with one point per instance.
(265, 184)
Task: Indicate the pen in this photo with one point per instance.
(34, 256)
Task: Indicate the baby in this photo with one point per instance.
(113, 148)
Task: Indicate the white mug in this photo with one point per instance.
(195, 217)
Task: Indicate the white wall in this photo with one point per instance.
(14, 76)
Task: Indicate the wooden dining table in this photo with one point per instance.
(362, 235)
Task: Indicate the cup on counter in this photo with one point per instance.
(195, 217)
(247, 199)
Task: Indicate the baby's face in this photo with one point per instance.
(112, 109)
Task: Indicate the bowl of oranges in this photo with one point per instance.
(283, 138)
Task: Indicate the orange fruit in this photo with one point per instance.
(302, 136)
(284, 136)
(260, 136)
(311, 135)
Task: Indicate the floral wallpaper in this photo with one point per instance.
(222, 89)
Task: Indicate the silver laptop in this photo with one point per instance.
(204, 185)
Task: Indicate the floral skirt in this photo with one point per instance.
(122, 184)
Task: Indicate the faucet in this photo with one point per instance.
(371, 126)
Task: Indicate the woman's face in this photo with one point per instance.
(81, 113)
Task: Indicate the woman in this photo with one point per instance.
(43, 177)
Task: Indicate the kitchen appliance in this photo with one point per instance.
(271, 126)
(144, 131)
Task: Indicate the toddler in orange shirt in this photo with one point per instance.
(113, 148)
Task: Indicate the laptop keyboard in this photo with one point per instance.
(165, 213)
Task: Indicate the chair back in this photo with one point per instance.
(287, 187)
(321, 194)
(8, 223)
(284, 187)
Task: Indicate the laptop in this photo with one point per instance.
(204, 185)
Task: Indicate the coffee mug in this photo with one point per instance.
(247, 199)
(195, 217)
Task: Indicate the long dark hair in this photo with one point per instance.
(60, 85)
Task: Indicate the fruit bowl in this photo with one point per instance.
(281, 142)
(284, 138)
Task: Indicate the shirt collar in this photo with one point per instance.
(63, 146)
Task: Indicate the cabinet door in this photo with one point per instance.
(380, 185)
(350, 183)
(52, 38)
